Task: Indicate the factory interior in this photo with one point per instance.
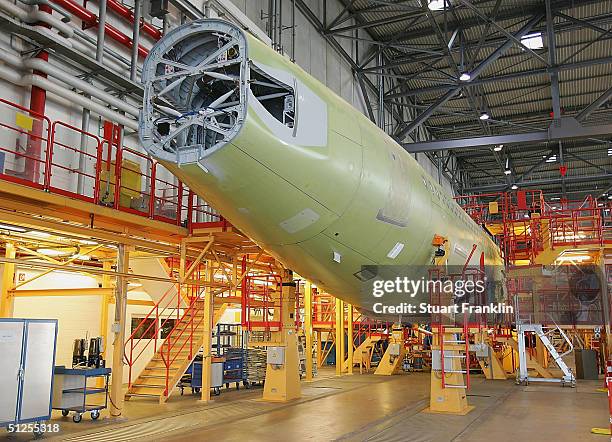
(288, 220)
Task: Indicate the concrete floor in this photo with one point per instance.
(358, 408)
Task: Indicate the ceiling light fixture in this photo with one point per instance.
(498, 148)
(12, 228)
(484, 116)
(465, 77)
(514, 187)
(53, 252)
(436, 5)
(533, 41)
(507, 172)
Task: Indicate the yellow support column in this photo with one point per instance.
(8, 281)
(319, 344)
(308, 328)
(282, 369)
(209, 307)
(339, 329)
(105, 302)
(116, 393)
(350, 338)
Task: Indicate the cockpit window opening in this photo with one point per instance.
(276, 97)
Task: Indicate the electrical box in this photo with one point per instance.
(436, 363)
(481, 350)
(394, 349)
(276, 355)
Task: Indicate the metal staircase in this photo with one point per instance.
(171, 355)
(555, 341)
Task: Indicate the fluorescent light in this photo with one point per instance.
(137, 284)
(498, 147)
(88, 242)
(53, 252)
(574, 258)
(514, 187)
(610, 197)
(533, 41)
(507, 172)
(436, 5)
(484, 116)
(555, 198)
(12, 228)
(39, 234)
(465, 77)
(83, 257)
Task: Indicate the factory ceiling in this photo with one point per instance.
(505, 70)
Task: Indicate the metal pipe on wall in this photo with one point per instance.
(55, 72)
(101, 31)
(135, 39)
(43, 83)
(37, 16)
(84, 138)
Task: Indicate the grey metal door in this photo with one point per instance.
(11, 348)
(39, 358)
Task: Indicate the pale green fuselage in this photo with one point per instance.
(358, 196)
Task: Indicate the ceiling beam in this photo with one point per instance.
(542, 182)
(561, 129)
(602, 99)
(507, 77)
(420, 119)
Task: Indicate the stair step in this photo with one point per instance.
(152, 376)
(455, 371)
(454, 342)
(454, 386)
(171, 368)
(156, 396)
(148, 386)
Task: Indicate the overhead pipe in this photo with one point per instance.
(46, 84)
(48, 69)
(91, 19)
(56, 8)
(37, 16)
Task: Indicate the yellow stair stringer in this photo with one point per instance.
(182, 364)
(358, 352)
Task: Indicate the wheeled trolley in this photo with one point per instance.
(74, 390)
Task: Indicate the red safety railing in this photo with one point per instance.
(147, 332)
(74, 163)
(262, 300)
(180, 310)
(201, 214)
(24, 145)
(526, 225)
(60, 158)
